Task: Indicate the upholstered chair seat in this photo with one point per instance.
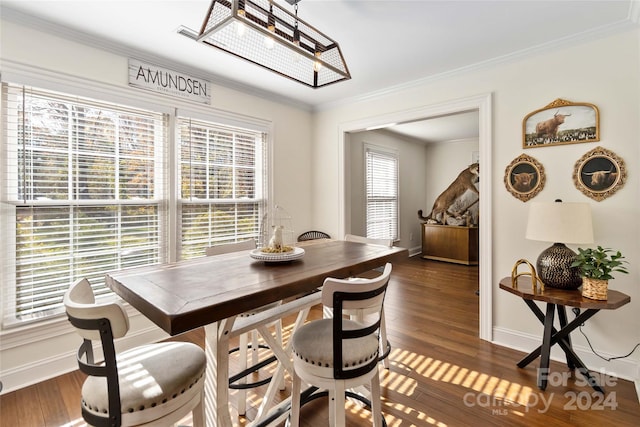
(149, 387)
(313, 344)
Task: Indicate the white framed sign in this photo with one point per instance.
(161, 80)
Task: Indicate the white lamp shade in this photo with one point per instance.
(560, 222)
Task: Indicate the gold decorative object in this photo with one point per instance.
(532, 272)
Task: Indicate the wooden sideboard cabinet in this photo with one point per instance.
(450, 243)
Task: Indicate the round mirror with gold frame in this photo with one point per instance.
(524, 177)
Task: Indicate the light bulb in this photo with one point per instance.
(317, 65)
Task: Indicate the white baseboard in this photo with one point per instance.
(626, 369)
(416, 250)
(50, 367)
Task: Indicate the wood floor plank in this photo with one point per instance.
(26, 408)
(441, 374)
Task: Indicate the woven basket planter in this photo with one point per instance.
(594, 288)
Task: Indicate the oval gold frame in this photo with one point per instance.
(524, 190)
(594, 174)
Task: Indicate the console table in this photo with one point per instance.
(558, 300)
(451, 243)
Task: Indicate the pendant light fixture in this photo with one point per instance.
(266, 34)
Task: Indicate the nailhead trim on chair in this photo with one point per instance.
(312, 344)
(152, 405)
(327, 365)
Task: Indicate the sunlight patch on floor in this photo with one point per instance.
(438, 370)
(420, 417)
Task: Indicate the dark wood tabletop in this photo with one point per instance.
(571, 298)
(186, 295)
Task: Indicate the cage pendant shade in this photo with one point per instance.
(264, 33)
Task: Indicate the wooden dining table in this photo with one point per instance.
(211, 292)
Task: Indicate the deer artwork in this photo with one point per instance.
(465, 181)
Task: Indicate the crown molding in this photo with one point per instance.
(77, 36)
(576, 39)
(631, 22)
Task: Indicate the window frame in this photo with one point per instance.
(46, 81)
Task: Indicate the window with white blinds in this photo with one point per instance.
(222, 184)
(381, 170)
(81, 191)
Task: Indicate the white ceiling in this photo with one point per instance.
(453, 127)
(386, 44)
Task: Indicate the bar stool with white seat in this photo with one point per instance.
(239, 381)
(337, 353)
(385, 346)
(150, 385)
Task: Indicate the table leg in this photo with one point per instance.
(562, 317)
(562, 338)
(546, 347)
(216, 396)
(285, 364)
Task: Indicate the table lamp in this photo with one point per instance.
(559, 223)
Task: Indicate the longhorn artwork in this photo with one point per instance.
(561, 122)
(599, 173)
(549, 127)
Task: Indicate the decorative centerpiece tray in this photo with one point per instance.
(294, 254)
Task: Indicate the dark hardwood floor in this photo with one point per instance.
(441, 374)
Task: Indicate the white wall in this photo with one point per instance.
(412, 167)
(603, 72)
(31, 354)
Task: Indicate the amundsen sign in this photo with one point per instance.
(161, 80)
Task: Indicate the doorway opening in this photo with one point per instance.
(483, 106)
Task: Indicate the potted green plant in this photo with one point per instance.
(596, 267)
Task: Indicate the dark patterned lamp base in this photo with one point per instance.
(554, 268)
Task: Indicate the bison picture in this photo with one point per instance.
(561, 122)
(549, 128)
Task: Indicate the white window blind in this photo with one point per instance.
(82, 193)
(222, 184)
(381, 169)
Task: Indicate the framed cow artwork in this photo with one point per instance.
(561, 122)
(599, 173)
(524, 177)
